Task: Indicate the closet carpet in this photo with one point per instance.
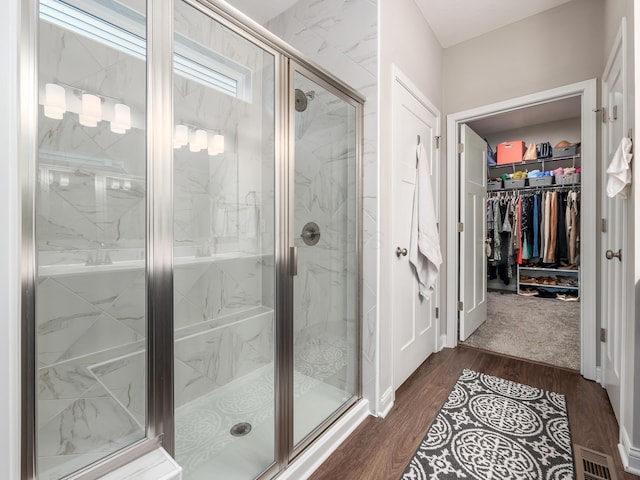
(539, 329)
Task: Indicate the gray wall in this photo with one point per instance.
(407, 41)
(556, 47)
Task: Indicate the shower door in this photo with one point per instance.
(224, 247)
(323, 130)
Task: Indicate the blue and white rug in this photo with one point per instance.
(495, 429)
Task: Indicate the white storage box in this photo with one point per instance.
(540, 181)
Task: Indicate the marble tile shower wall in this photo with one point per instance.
(341, 36)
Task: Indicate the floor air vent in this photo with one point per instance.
(592, 465)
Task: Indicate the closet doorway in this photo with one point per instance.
(510, 287)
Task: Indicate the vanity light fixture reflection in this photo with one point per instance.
(181, 136)
(216, 144)
(91, 110)
(55, 101)
(121, 118)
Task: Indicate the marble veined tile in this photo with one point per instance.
(124, 378)
(129, 308)
(190, 384)
(64, 56)
(62, 318)
(66, 381)
(93, 424)
(106, 333)
(102, 289)
(228, 352)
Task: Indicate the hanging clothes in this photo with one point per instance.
(532, 228)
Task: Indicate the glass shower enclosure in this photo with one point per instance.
(263, 170)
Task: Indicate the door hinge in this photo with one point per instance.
(461, 148)
(615, 113)
(437, 139)
(460, 227)
(603, 335)
(460, 306)
(604, 115)
(604, 225)
(437, 312)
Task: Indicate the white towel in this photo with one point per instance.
(424, 251)
(619, 170)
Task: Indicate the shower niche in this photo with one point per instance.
(265, 321)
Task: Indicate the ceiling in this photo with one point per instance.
(534, 115)
(454, 21)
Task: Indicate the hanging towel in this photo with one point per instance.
(619, 171)
(424, 250)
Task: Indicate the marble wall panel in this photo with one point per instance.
(227, 353)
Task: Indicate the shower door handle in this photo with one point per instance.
(293, 261)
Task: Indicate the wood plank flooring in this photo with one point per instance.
(380, 449)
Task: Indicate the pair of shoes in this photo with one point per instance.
(565, 297)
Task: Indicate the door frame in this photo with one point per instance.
(589, 303)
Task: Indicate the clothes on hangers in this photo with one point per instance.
(539, 227)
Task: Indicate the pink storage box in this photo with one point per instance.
(511, 152)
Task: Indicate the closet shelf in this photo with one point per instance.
(542, 285)
(540, 161)
(550, 269)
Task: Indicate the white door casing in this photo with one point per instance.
(473, 201)
(589, 225)
(614, 214)
(413, 319)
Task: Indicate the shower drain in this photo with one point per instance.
(240, 429)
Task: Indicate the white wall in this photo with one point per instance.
(407, 41)
(9, 246)
(557, 47)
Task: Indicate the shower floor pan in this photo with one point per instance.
(205, 446)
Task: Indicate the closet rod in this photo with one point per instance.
(541, 188)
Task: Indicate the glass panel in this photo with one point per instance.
(324, 296)
(224, 250)
(90, 232)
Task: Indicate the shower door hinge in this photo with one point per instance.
(460, 306)
(604, 225)
(437, 312)
(460, 227)
(603, 335)
(437, 138)
(461, 148)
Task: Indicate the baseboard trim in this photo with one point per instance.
(386, 402)
(442, 343)
(319, 451)
(629, 455)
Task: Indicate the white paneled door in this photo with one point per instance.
(414, 318)
(473, 261)
(613, 259)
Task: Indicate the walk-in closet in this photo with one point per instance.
(532, 237)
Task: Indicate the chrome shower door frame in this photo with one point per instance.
(160, 429)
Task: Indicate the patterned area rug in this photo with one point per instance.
(494, 429)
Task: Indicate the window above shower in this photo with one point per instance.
(121, 26)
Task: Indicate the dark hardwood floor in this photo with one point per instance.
(381, 448)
